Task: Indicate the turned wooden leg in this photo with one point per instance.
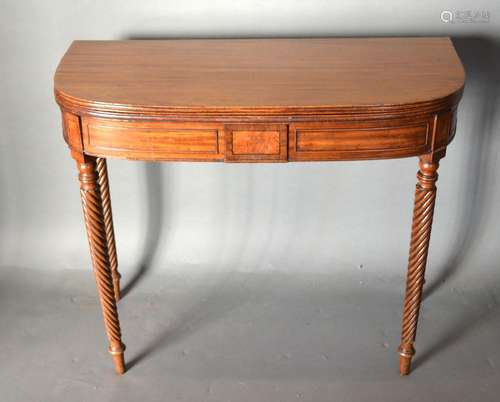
(96, 230)
(425, 195)
(102, 172)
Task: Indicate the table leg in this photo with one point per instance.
(93, 211)
(425, 196)
(102, 171)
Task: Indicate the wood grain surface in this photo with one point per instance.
(234, 76)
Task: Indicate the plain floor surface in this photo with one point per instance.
(244, 337)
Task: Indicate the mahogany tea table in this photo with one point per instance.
(257, 100)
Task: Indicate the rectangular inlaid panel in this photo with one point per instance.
(341, 140)
(153, 140)
(256, 142)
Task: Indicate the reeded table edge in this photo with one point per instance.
(79, 106)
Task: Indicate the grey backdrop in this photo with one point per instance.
(315, 217)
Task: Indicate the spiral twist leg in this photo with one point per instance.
(425, 195)
(96, 230)
(102, 172)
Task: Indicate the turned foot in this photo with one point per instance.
(118, 359)
(406, 353)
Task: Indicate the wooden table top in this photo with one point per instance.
(261, 76)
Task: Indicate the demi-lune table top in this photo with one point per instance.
(235, 76)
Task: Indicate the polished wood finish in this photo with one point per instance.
(153, 140)
(425, 197)
(258, 76)
(256, 142)
(93, 211)
(372, 139)
(257, 100)
(103, 181)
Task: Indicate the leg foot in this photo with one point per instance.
(406, 352)
(118, 359)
